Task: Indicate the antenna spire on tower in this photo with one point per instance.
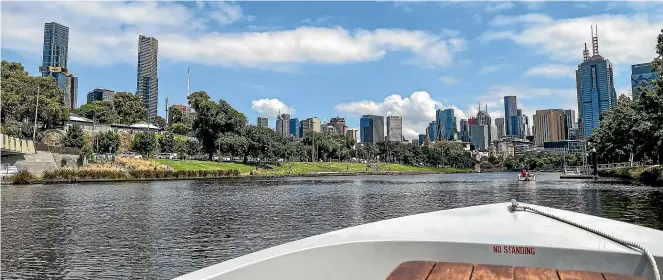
(585, 53)
(595, 41)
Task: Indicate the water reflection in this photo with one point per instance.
(162, 230)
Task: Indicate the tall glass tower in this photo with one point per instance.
(54, 61)
(446, 124)
(147, 84)
(595, 86)
(641, 75)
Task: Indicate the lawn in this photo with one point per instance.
(297, 167)
(204, 165)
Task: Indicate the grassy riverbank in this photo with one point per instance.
(650, 175)
(124, 169)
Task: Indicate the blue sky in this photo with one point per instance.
(347, 58)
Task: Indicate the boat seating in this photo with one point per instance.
(428, 270)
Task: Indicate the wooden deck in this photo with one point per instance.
(425, 270)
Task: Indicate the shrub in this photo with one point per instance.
(22, 177)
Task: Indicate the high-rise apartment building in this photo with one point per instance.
(283, 125)
(54, 61)
(446, 124)
(596, 88)
(100, 94)
(642, 75)
(371, 128)
(500, 127)
(147, 80)
(294, 128)
(394, 128)
(549, 125)
(262, 122)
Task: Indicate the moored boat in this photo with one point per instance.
(529, 177)
(507, 234)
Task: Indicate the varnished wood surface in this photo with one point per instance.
(425, 270)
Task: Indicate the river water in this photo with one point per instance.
(160, 230)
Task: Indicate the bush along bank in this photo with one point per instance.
(649, 175)
(73, 175)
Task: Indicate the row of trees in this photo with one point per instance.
(124, 108)
(634, 126)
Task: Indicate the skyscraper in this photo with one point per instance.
(596, 88)
(371, 128)
(432, 131)
(480, 136)
(54, 61)
(464, 130)
(339, 125)
(446, 124)
(147, 80)
(262, 122)
(569, 121)
(501, 129)
(549, 125)
(294, 128)
(394, 128)
(510, 110)
(483, 118)
(283, 125)
(641, 75)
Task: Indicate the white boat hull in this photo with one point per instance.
(526, 178)
(487, 234)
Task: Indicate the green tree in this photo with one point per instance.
(19, 98)
(101, 112)
(74, 137)
(106, 142)
(168, 144)
(159, 121)
(145, 143)
(180, 128)
(129, 108)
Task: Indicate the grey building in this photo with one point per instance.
(100, 94)
(500, 127)
(283, 125)
(147, 80)
(569, 121)
(262, 122)
(54, 61)
(394, 128)
(480, 136)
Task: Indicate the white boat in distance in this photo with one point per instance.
(529, 177)
(495, 234)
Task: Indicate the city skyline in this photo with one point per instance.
(421, 84)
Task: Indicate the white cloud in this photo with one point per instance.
(551, 71)
(270, 107)
(490, 68)
(450, 80)
(417, 110)
(533, 18)
(105, 33)
(499, 6)
(622, 38)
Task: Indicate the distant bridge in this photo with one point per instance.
(587, 169)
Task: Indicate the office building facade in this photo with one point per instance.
(432, 131)
(147, 80)
(480, 137)
(294, 128)
(642, 75)
(339, 125)
(446, 124)
(464, 130)
(310, 124)
(371, 128)
(394, 128)
(596, 88)
(500, 127)
(100, 94)
(510, 110)
(549, 125)
(353, 133)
